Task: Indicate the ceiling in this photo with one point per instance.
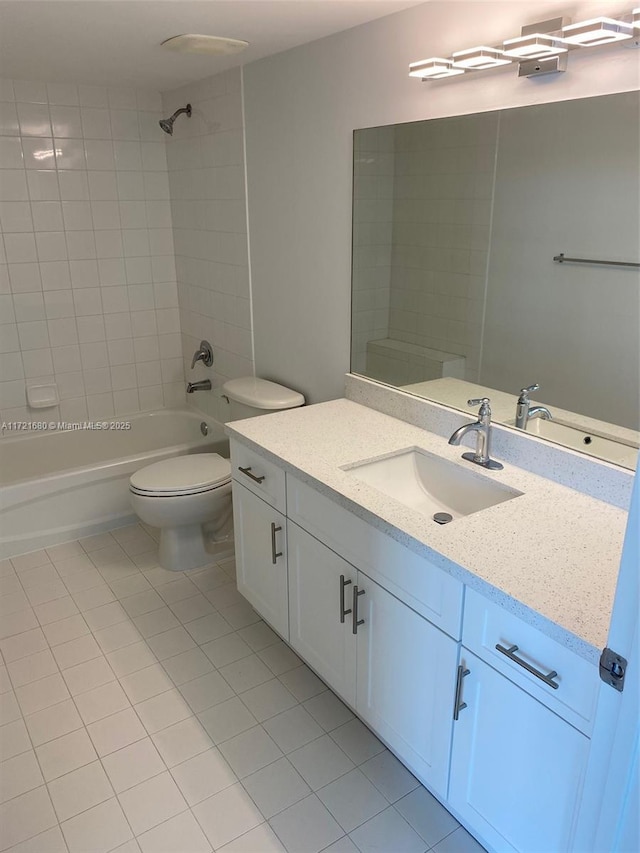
(117, 42)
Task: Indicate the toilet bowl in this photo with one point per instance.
(189, 497)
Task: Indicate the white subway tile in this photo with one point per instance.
(95, 123)
(99, 154)
(73, 185)
(69, 153)
(24, 278)
(62, 332)
(11, 152)
(51, 246)
(65, 122)
(43, 185)
(13, 185)
(55, 275)
(90, 328)
(34, 119)
(84, 273)
(19, 248)
(81, 245)
(47, 215)
(8, 119)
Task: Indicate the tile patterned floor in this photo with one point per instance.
(147, 711)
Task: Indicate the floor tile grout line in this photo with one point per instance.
(254, 651)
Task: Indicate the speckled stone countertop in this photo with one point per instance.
(550, 556)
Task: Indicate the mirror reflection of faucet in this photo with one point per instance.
(524, 409)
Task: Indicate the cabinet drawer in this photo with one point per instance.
(259, 475)
(487, 626)
(427, 589)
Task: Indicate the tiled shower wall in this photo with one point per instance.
(373, 171)
(88, 295)
(444, 173)
(207, 180)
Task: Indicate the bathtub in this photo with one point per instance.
(56, 486)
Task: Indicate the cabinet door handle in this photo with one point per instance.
(354, 607)
(343, 612)
(548, 679)
(274, 554)
(251, 476)
(457, 704)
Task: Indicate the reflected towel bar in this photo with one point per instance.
(561, 259)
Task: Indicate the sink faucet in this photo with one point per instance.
(203, 385)
(482, 428)
(524, 409)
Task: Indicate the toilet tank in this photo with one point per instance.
(251, 396)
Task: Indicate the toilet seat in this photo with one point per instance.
(182, 475)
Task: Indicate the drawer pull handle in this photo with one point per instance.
(457, 704)
(274, 554)
(343, 612)
(251, 476)
(548, 679)
(355, 621)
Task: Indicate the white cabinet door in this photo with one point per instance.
(320, 591)
(261, 560)
(517, 768)
(406, 682)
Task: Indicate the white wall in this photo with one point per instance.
(207, 180)
(88, 295)
(301, 108)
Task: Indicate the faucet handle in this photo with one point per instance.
(204, 354)
(524, 392)
(484, 413)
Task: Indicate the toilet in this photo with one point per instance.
(189, 497)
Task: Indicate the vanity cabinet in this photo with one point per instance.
(320, 595)
(517, 768)
(491, 713)
(261, 557)
(385, 660)
(405, 682)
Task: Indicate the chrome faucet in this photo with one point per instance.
(524, 409)
(482, 428)
(204, 354)
(203, 385)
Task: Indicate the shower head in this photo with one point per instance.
(167, 123)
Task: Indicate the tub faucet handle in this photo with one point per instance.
(204, 354)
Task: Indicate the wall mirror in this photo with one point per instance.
(462, 283)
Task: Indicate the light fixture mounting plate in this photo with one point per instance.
(539, 67)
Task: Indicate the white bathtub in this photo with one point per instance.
(59, 485)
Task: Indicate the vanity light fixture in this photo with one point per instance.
(434, 68)
(480, 58)
(541, 48)
(534, 46)
(597, 31)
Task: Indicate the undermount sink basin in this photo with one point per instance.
(604, 447)
(430, 484)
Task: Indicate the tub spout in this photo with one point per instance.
(203, 385)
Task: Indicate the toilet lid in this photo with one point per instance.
(182, 475)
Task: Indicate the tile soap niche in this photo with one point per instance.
(42, 396)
